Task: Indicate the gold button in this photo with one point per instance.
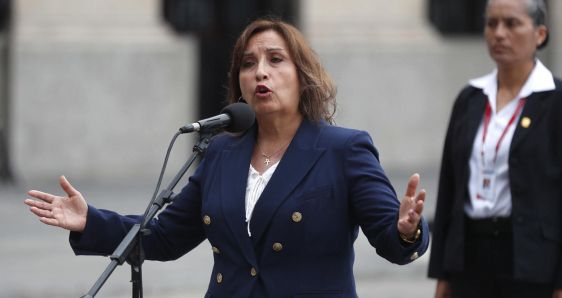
(253, 272)
(207, 220)
(277, 246)
(216, 250)
(297, 216)
(219, 278)
(414, 256)
(525, 122)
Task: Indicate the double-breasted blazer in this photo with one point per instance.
(327, 185)
(535, 175)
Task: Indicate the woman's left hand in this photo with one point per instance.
(411, 208)
(557, 294)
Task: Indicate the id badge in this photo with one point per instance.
(487, 181)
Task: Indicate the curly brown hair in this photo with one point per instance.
(318, 92)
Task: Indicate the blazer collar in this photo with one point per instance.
(532, 111)
(299, 158)
(234, 166)
(540, 80)
(475, 112)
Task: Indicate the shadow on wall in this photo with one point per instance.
(5, 172)
(217, 23)
(457, 17)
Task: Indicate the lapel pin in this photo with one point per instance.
(526, 122)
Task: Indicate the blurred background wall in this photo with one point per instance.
(95, 90)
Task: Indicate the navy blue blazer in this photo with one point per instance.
(327, 185)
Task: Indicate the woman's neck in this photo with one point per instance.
(277, 130)
(511, 79)
(274, 136)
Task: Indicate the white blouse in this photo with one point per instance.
(499, 202)
(254, 188)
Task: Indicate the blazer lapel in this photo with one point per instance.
(534, 107)
(235, 163)
(475, 112)
(295, 164)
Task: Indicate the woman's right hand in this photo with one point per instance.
(68, 212)
(443, 289)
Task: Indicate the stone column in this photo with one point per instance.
(98, 90)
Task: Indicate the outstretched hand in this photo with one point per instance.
(411, 208)
(66, 212)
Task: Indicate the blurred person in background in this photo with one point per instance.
(281, 204)
(498, 220)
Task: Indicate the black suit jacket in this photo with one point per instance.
(535, 173)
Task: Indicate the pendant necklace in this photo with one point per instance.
(268, 157)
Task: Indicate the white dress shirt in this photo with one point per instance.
(254, 188)
(499, 203)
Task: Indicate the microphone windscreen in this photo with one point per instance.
(241, 117)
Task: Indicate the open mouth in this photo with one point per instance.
(262, 90)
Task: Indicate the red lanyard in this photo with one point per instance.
(488, 116)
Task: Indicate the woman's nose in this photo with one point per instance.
(500, 30)
(261, 71)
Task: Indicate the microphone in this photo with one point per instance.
(236, 117)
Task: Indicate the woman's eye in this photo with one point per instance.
(510, 23)
(276, 59)
(492, 23)
(247, 64)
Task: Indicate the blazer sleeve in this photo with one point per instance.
(374, 203)
(445, 193)
(175, 231)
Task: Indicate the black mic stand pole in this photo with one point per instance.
(130, 248)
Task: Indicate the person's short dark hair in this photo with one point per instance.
(318, 92)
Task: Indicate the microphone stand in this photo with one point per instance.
(130, 248)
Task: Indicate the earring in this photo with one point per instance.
(241, 99)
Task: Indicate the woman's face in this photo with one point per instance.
(268, 77)
(510, 33)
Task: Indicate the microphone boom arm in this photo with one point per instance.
(130, 248)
